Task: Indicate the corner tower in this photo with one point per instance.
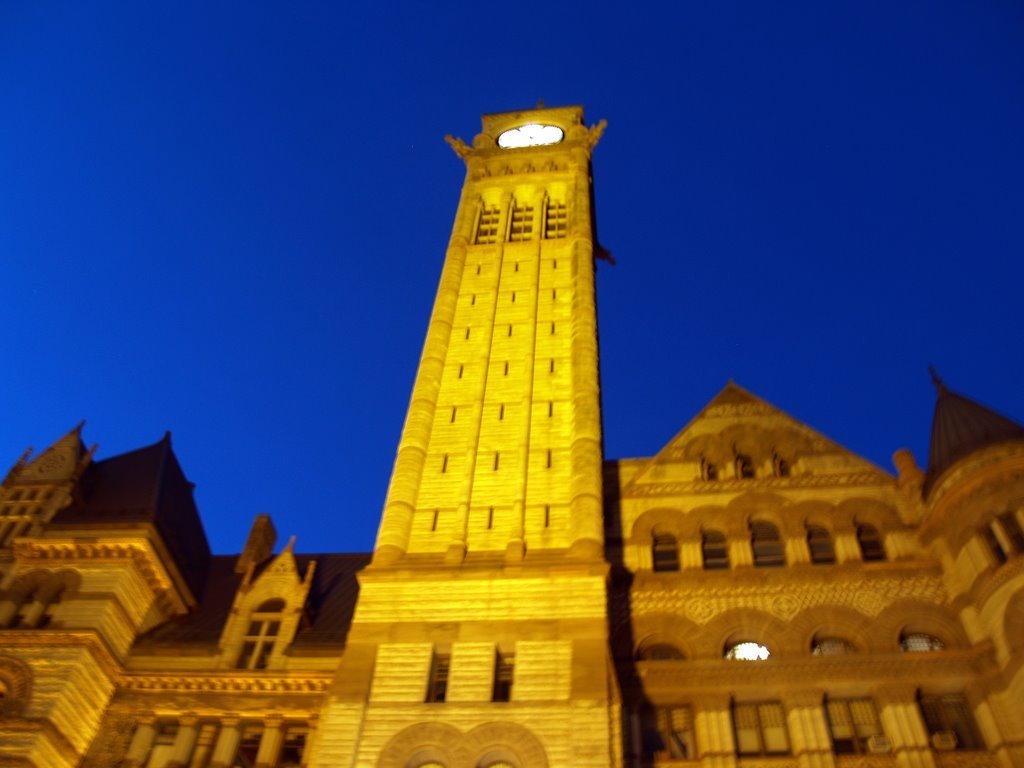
(501, 449)
(480, 633)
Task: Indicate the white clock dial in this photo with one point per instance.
(530, 135)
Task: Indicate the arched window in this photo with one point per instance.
(747, 651)
(780, 465)
(871, 549)
(819, 541)
(260, 636)
(767, 546)
(831, 646)
(744, 466)
(660, 652)
(708, 470)
(715, 551)
(665, 552)
(920, 642)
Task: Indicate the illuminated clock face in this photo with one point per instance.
(530, 135)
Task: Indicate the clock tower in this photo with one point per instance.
(481, 623)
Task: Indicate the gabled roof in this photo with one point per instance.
(734, 415)
(329, 607)
(960, 427)
(60, 462)
(144, 486)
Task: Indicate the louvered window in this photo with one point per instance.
(555, 220)
(487, 226)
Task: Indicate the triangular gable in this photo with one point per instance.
(61, 462)
(737, 421)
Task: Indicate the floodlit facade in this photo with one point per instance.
(751, 595)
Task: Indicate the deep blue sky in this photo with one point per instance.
(228, 220)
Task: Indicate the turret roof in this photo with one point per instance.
(960, 427)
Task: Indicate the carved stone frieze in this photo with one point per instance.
(646, 490)
(701, 603)
(224, 682)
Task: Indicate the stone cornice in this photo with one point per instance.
(735, 485)
(138, 551)
(50, 638)
(233, 682)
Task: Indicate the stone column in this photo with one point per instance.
(204, 746)
(184, 742)
(712, 719)
(141, 744)
(903, 724)
(847, 548)
(690, 555)
(740, 553)
(270, 743)
(226, 748)
(808, 730)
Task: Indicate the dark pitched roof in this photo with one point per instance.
(960, 427)
(329, 607)
(145, 486)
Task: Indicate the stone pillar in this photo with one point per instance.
(270, 743)
(141, 744)
(690, 555)
(226, 748)
(740, 553)
(184, 742)
(797, 550)
(712, 718)
(204, 746)
(847, 548)
(808, 730)
(903, 724)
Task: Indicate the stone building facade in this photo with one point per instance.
(751, 595)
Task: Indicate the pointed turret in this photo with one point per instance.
(64, 460)
(960, 427)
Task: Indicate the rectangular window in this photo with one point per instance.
(555, 220)
(522, 223)
(851, 723)
(437, 688)
(760, 728)
(487, 227)
(504, 667)
(668, 733)
(950, 722)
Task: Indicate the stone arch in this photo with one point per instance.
(748, 624)
(669, 629)
(910, 616)
(865, 511)
(819, 514)
(15, 686)
(659, 520)
(835, 621)
(709, 517)
(508, 742)
(422, 742)
(1013, 623)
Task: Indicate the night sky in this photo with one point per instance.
(227, 220)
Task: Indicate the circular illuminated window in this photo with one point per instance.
(530, 135)
(747, 652)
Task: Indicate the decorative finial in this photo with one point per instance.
(540, 103)
(940, 385)
(461, 148)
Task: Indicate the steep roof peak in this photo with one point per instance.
(960, 427)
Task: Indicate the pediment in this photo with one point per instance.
(738, 423)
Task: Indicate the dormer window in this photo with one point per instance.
(262, 633)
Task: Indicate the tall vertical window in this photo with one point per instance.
(521, 227)
(767, 545)
(819, 542)
(260, 636)
(555, 220)
(715, 551)
(760, 728)
(668, 732)
(504, 669)
(744, 466)
(665, 551)
(437, 687)
(852, 723)
(487, 226)
(870, 541)
(1011, 528)
(949, 722)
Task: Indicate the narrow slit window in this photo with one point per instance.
(478, 269)
(501, 412)
(433, 524)
(547, 515)
(554, 294)
(497, 460)
(554, 263)
(551, 366)
(513, 297)
(510, 329)
(437, 689)
(472, 301)
(444, 463)
(461, 369)
(555, 220)
(549, 458)
(490, 518)
(487, 226)
(517, 266)
(454, 411)
(552, 327)
(506, 367)
(467, 332)
(551, 408)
